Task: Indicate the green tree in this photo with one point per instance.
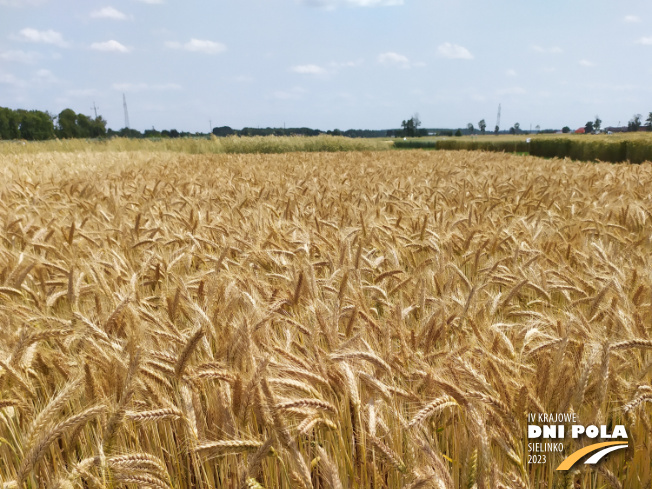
(36, 125)
(9, 124)
(470, 128)
(597, 124)
(84, 125)
(634, 124)
(649, 122)
(67, 124)
(517, 128)
(566, 130)
(416, 121)
(98, 127)
(458, 133)
(482, 125)
(496, 130)
(588, 127)
(408, 128)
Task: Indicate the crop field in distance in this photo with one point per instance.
(370, 319)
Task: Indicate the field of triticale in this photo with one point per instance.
(320, 320)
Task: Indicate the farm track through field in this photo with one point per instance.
(370, 319)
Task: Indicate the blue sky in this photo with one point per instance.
(329, 63)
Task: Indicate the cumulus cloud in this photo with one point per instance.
(391, 58)
(108, 13)
(308, 69)
(198, 46)
(111, 46)
(46, 37)
(550, 50)
(9, 79)
(19, 56)
(632, 19)
(45, 76)
(453, 51)
(646, 41)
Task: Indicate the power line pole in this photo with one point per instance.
(124, 104)
(94, 108)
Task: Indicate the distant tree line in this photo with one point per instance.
(224, 131)
(36, 125)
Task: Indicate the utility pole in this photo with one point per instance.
(210, 124)
(94, 108)
(124, 104)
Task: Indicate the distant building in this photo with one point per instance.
(581, 130)
(616, 129)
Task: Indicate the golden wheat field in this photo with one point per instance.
(328, 320)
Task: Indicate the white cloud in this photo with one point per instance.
(111, 46)
(45, 76)
(346, 64)
(453, 51)
(308, 69)
(391, 58)
(9, 79)
(46, 37)
(550, 50)
(108, 13)
(198, 46)
(586, 63)
(19, 56)
(141, 87)
(511, 72)
(632, 19)
(646, 41)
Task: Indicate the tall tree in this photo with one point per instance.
(597, 124)
(9, 124)
(417, 122)
(649, 122)
(470, 127)
(482, 125)
(588, 127)
(35, 125)
(67, 124)
(634, 124)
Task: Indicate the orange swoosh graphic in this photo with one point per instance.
(575, 456)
